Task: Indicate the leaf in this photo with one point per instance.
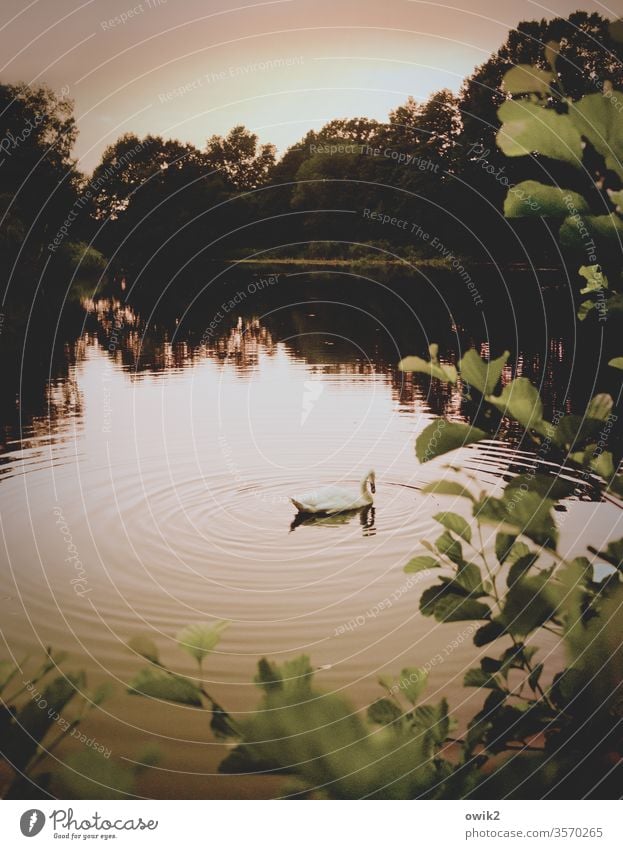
(90, 775)
(384, 712)
(434, 718)
(503, 545)
(469, 578)
(605, 229)
(452, 548)
(600, 407)
(530, 515)
(523, 79)
(442, 436)
(603, 465)
(220, 723)
(456, 523)
(421, 563)
(102, 693)
(8, 671)
(456, 608)
(488, 633)
(479, 678)
(296, 675)
(36, 717)
(531, 199)
(432, 368)
(528, 128)
(160, 684)
(146, 647)
(553, 487)
(585, 308)
(533, 678)
(268, 676)
(529, 603)
(617, 362)
(613, 553)
(521, 401)
(443, 487)
(519, 568)
(483, 376)
(413, 680)
(598, 119)
(551, 53)
(595, 278)
(200, 639)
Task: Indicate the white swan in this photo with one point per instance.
(336, 499)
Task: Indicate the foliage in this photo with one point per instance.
(36, 717)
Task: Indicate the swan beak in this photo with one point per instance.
(372, 487)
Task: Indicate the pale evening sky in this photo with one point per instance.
(189, 68)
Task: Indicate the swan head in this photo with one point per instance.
(371, 477)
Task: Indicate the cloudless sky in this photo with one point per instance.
(190, 68)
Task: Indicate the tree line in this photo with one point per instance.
(156, 207)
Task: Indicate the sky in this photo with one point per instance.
(190, 68)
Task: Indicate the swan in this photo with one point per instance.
(336, 499)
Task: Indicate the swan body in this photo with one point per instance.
(336, 499)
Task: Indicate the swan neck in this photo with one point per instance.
(364, 485)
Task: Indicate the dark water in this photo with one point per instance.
(160, 438)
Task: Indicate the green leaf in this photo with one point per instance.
(483, 376)
(604, 229)
(200, 639)
(533, 678)
(443, 487)
(488, 633)
(531, 199)
(523, 79)
(519, 568)
(8, 671)
(503, 544)
(413, 682)
(160, 684)
(529, 603)
(585, 308)
(90, 775)
(469, 578)
(436, 719)
(220, 723)
(528, 128)
(36, 717)
(432, 368)
(268, 676)
(551, 53)
(452, 548)
(613, 553)
(384, 712)
(146, 647)
(598, 119)
(548, 486)
(442, 436)
(456, 608)
(600, 407)
(479, 678)
(421, 563)
(617, 362)
(530, 515)
(456, 523)
(521, 401)
(595, 278)
(603, 465)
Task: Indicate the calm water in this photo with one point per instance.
(164, 447)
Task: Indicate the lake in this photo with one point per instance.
(145, 482)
